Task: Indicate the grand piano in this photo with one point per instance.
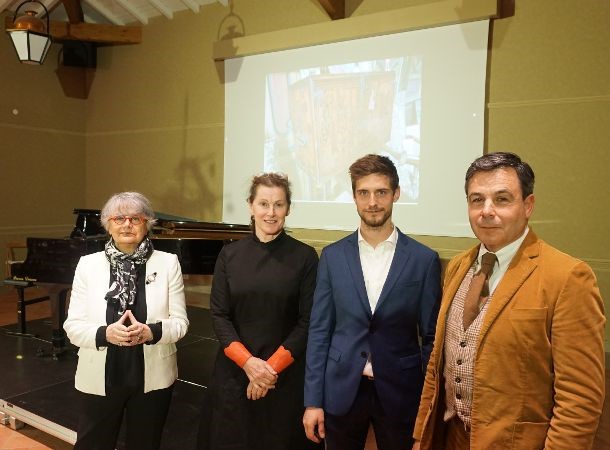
(50, 262)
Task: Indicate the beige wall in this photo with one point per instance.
(154, 117)
(549, 100)
(42, 150)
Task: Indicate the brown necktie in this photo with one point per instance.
(479, 287)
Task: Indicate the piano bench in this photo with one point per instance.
(21, 286)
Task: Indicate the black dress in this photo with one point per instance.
(261, 296)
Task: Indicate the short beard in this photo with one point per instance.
(377, 223)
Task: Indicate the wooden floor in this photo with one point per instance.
(197, 295)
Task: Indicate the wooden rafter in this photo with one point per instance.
(133, 11)
(334, 8)
(74, 10)
(192, 5)
(106, 12)
(162, 8)
(91, 32)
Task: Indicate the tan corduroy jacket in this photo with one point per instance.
(539, 367)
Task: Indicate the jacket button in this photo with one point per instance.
(458, 396)
(364, 354)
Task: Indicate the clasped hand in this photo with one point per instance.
(262, 378)
(135, 334)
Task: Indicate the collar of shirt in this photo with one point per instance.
(392, 239)
(375, 263)
(505, 256)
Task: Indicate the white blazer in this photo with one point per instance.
(87, 312)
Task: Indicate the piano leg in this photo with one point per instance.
(21, 309)
(58, 293)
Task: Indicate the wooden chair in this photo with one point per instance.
(14, 252)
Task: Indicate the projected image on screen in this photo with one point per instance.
(416, 96)
(319, 120)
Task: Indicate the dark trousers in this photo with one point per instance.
(101, 417)
(349, 432)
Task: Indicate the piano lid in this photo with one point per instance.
(197, 245)
(88, 225)
(171, 218)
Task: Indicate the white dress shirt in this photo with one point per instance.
(375, 262)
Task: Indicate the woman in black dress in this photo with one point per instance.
(261, 300)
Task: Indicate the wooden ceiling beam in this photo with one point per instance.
(192, 5)
(74, 10)
(334, 8)
(91, 32)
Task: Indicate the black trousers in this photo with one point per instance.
(349, 432)
(101, 417)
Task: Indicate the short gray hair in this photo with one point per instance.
(132, 202)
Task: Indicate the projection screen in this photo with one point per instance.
(417, 97)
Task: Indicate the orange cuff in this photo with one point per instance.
(281, 359)
(237, 353)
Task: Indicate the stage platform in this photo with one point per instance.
(39, 390)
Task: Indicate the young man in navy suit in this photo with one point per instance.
(372, 323)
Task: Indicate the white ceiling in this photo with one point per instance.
(116, 12)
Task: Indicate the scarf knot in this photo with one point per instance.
(124, 267)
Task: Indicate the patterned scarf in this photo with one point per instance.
(124, 267)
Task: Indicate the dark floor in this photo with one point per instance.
(32, 380)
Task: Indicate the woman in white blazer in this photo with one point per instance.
(126, 313)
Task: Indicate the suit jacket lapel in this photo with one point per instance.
(519, 269)
(454, 280)
(352, 255)
(399, 262)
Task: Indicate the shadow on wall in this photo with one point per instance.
(230, 27)
(192, 189)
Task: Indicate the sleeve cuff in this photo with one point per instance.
(157, 332)
(100, 337)
(281, 359)
(237, 353)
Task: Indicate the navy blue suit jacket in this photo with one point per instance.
(399, 334)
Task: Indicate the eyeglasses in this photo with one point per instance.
(135, 220)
